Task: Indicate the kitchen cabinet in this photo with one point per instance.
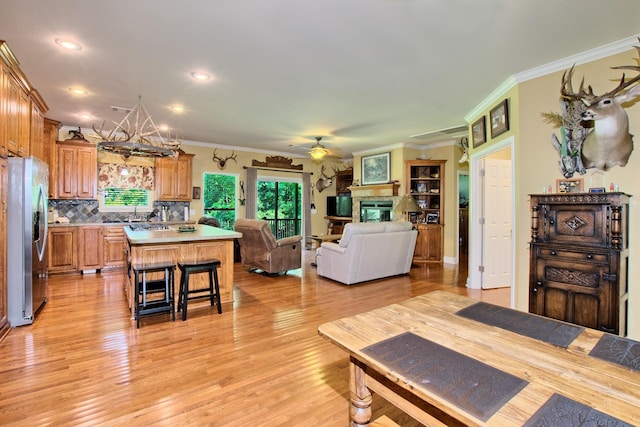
(579, 259)
(37, 108)
(47, 151)
(173, 178)
(425, 183)
(15, 106)
(114, 247)
(4, 322)
(76, 167)
(90, 247)
(63, 249)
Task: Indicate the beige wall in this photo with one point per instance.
(202, 163)
(535, 165)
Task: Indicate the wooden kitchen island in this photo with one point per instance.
(152, 246)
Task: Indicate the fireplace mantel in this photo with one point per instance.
(376, 190)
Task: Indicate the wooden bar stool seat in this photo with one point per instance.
(212, 292)
(155, 295)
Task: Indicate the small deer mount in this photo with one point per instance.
(594, 128)
(223, 162)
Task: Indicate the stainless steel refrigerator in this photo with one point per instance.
(28, 187)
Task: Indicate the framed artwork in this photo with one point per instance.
(479, 132)
(196, 193)
(421, 187)
(499, 119)
(433, 218)
(376, 169)
(570, 185)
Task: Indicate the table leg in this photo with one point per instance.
(360, 396)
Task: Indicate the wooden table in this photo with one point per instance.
(547, 369)
(325, 238)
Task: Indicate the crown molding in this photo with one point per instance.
(552, 67)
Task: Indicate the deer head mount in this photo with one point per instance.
(596, 127)
(223, 162)
(325, 181)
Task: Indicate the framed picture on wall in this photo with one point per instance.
(376, 169)
(499, 119)
(196, 193)
(478, 132)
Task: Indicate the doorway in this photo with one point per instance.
(491, 243)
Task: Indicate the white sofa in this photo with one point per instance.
(368, 251)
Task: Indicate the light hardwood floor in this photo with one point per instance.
(259, 363)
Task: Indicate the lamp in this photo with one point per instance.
(407, 204)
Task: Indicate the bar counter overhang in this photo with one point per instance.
(205, 242)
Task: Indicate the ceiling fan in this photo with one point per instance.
(319, 152)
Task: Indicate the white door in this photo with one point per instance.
(497, 257)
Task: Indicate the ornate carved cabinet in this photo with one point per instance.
(579, 259)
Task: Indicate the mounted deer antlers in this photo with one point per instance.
(325, 181)
(609, 143)
(223, 162)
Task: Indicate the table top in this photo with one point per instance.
(327, 237)
(548, 369)
(173, 235)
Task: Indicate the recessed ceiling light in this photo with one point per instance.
(163, 127)
(78, 91)
(201, 76)
(85, 116)
(68, 44)
(177, 108)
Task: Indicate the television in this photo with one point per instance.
(339, 206)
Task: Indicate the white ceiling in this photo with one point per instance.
(361, 73)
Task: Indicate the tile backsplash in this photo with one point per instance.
(86, 211)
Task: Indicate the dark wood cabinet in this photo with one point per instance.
(579, 259)
(344, 180)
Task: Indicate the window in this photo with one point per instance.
(219, 198)
(123, 188)
(125, 197)
(280, 203)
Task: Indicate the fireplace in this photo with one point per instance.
(376, 210)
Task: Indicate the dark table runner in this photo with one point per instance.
(471, 385)
(615, 349)
(541, 328)
(562, 411)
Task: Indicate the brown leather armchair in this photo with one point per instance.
(259, 250)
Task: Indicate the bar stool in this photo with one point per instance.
(160, 290)
(212, 291)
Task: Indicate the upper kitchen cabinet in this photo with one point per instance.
(21, 108)
(173, 178)
(76, 170)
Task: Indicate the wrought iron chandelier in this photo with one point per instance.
(137, 135)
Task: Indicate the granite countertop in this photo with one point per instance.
(173, 235)
(116, 223)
